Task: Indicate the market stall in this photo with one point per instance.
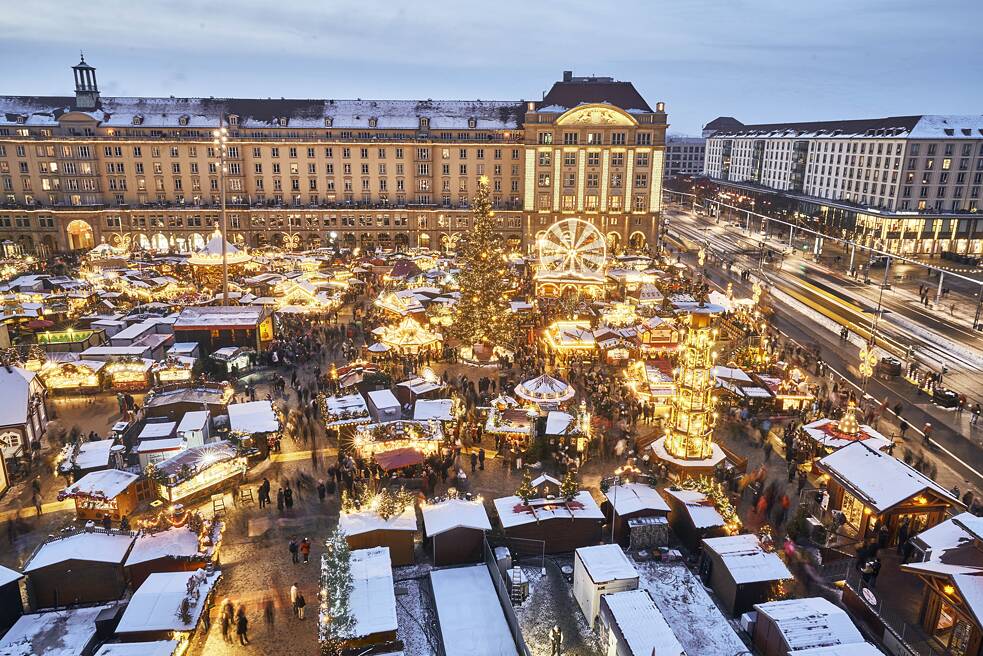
(109, 492)
(128, 374)
(397, 444)
(79, 376)
(173, 369)
(545, 392)
(409, 338)
(198, 471)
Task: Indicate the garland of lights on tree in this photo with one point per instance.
(336, 622)
(691, 416)
(483, 314)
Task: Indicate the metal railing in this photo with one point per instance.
(505, 599)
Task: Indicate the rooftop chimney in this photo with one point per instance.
(567, 76)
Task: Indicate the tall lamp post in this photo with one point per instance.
(221, 142)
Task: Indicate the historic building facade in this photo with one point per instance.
(80, 170)
(912, 184)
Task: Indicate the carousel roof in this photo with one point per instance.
(211, 253)
(545, 389)
(408, 333)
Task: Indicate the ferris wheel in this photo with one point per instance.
(572, 247)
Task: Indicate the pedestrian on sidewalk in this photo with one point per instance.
(927, 433)
(305, 550)
(322, 491)
(228, 617)
(279, 499)
(300, 603)
(474, 461)
(977, 410)
(288, 497)
(269, 614)
(242, 625)
(264, 493)
(481, 459)
(37, 505)
(294, 593)
(903, 428)
(294, 549)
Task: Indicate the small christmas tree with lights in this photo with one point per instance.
(570, 486)
(335, 623)
(483, 315)
(525, 490)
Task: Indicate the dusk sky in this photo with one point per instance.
(756, 60)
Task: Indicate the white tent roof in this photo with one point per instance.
(154, 606)
(545, 389)
(440, 409)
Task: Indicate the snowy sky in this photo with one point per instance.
(757, 60)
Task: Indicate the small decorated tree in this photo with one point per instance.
(336, 622)
(525, 490)
(570, 486)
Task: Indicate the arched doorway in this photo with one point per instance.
(143, 241)
(402, 241)
(196, 242)
(636, 241)
(158, 242)
(424, 240)
(80, 235)
(614, 241)
(26, 243)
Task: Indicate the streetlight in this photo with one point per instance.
(221, 142)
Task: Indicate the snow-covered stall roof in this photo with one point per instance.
(372, 600)
(605, 563)
(879, 479)
(8, 576)
(97, 546)
(469, 614)
(104, 484)
(366, 521)
(855, 649)
(691, 613)
(945, 537)
(253, 417)
(349, 409)
(158, 648)
(825, 432)
(420, 385)
(632, 497)
(561, 423)
(439, 409)
(194, 420)
(67, 632)
(16, 385)
(699, 507)
(513, 511)
(154, 606)
(178, 542)
(642, 624)
(746, 559)
(383, 399)
(454, 513)
(242, 316)
(160, 446)
(810, 622)
(157, 430)
(94, 454)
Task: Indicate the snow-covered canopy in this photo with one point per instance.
(439, 409)
(824, 431)
(810, 622)
(746, 559)
(154, 606)
(470, 616)
(65, 632)
(699, 508)
(545, 389)
(97, 546)
(372, 601)
(642, 624)
(513, 511)
(253, 417)
(104, 484)
(211, 253)
(630, 498)
(178, 542)
(454, 513)
(366, 521)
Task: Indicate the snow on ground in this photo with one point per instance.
(694, 617)
(551, 602)
(415, 616)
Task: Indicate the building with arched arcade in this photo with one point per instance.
(77, 171)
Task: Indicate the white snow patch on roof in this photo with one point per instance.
(471, 619)
(367, 521)
(746, 559)
(606, 562)
(253, 417)
(810, 622)
(633, 497)
(373, 600)
(97, 546)
(454, 513)
(52, 633)
(642, 625)
(154, 606)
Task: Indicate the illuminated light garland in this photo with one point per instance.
(692, 418)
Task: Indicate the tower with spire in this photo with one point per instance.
(86, 88)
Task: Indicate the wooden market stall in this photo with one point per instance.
(365, 529)
(454, 531)
(199, 471)
(628, 501)
(78, 568)
(559, 524)
(693, 517)
(741, 571)
(111, 492)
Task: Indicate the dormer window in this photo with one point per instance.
(424, 123)
(283, 121)
(21, 119)
(183, 119)
(373, 122)
(327, 121)
(233, 119)
(472, 123)
(138, 119)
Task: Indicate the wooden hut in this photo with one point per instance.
(631, 501)
(794, 625)
(11, 606)
(693, 517)
(153, 612)
(372, 601)
(600, 570)
(454, 531)
(366, 529)
(177, 549)
(111, 492)
(740, 571)
(80, 568)
(560, 524)
(871, 488)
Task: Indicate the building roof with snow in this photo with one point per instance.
(383, 399)
(177, 542)
(606, 562)
(156, 430)
(92, 455)
(8, 576)
(253, 417)
(630, 498)
(746, 559)
(214, 317)
(454, 513)
(919, 126)
(97, 546)
(699, 508)
(810, 622)
(366, 521)
(67, 632)
(158, 648)
(439, 409)
(641, 624)
(154, 606)
(103, 484)
(372, 600)
(855, 649)
(469, 613)
(879, 480)
(16, 385)
(513, 511)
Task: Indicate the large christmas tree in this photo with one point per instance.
(335, 622)
(483, 315)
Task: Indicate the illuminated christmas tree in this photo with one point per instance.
(483, 314)
(691, 412)
(335, 623)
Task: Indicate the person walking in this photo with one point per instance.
(300, 603)
(294, 593)
(927, 433)
(264, 493)
(288, 497)
(903, 428)
(269, 614)
(305, 550)
(242, 626)
(977, 410)
(474, 461)
(228, 617)
(481, 459)
(322, 491)
(279, 499)
(294, 549)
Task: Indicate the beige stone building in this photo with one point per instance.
(80, 170)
